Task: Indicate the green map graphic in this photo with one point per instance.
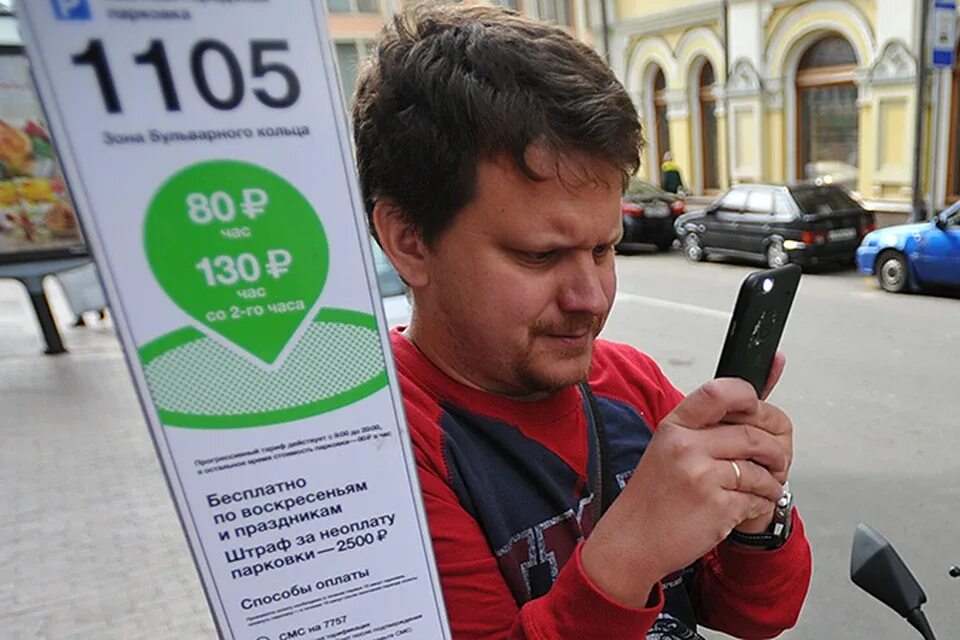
(197, 382)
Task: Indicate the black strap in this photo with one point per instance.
(604, 488)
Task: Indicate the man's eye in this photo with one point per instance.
(601, 250)
(538, 257)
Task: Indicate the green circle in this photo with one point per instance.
(240, 250)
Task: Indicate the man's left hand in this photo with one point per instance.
(773, 420)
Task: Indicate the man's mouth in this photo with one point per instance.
(572, 336)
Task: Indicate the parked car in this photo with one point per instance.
(833, 172)
(914, 255)
(649, 214)
(804, 224)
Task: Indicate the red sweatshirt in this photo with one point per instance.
(507, 487)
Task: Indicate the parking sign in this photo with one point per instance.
(944, 33)
(71, 9)
(209, 157)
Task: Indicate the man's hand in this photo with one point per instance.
(685, 497)
(776, 422)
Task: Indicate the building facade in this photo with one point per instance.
(819, 90)
(354, 25)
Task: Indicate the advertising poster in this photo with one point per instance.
(37, 220)
(206, 148)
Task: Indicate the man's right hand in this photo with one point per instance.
(685, 497)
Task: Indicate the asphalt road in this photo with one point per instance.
(871, 386)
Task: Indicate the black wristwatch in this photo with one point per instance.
(776, 534)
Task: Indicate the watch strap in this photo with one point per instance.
(779, 530)
(765, 540)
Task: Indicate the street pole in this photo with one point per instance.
(918, 213)
(725, 31)
(606, 30)
(934, 181)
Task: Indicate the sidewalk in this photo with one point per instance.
(90, 544)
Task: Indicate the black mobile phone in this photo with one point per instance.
(759, 318)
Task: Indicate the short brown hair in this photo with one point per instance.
(451, 85)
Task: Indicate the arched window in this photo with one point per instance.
(828, 123)
(660, 113)
(708, 127)
(953, 171)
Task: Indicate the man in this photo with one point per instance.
(492, 152)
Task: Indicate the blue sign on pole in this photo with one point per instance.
(944, 38)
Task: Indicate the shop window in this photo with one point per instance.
(708, 128)
(828, 116)
(353, 6)
(349, 56)
(557, 11)
(660, 114)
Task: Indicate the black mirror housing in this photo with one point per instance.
(876, 568)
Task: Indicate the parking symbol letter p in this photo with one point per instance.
(71, 9)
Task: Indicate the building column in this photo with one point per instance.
(775, 154)
(745, 123)
(867, 144)
(887, 114)
(681, 143)
(723, 149)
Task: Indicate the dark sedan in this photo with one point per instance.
(649, 214)
(804, 224)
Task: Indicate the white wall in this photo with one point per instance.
(897, 19)
(746, 33)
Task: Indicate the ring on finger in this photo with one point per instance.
(736, 470)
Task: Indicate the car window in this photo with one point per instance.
(759, 202)
(781, 205)
(824, 200)
(734, 200)
(951, 215)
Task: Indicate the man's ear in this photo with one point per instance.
(402, 242)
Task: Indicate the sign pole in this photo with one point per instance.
(209, 158)
(918, 213)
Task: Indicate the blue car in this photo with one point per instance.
(910, 256)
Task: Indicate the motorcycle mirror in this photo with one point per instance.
(876, 568)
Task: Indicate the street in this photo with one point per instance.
(871, 390)
(90, 545)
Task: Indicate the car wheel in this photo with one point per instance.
(776, 255)
(892, 271)
(693, 248)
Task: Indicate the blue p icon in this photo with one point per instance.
(71, 9)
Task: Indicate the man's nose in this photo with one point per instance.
(582, 287)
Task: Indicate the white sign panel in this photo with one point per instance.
(944, 33)
(207, 151)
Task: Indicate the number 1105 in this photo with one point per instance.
(155, 55)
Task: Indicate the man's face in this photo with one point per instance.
(522, 282)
